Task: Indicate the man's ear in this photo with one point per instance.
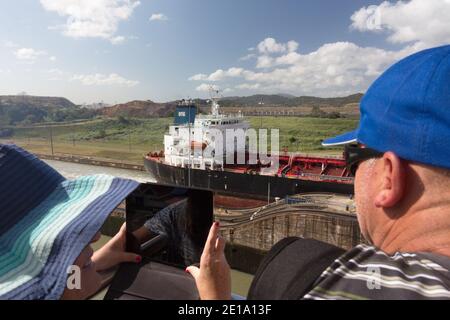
(392, 175)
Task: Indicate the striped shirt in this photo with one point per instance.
(368, 273)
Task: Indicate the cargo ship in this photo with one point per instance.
(186, 162)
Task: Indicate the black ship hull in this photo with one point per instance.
(233, 183)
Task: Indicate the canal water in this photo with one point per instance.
(72, 170)
(240, 281)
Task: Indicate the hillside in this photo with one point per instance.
(140, 109)
(25, 110)
(289, 101)
(37, 102)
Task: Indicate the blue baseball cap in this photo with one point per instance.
(407, 110)
(46, 221)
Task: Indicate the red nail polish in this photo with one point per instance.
(186, 270)
(138, 259)
(216, 223)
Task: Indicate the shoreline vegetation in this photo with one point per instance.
(129, 139)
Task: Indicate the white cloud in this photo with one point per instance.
(218, 75)
(264, 62)
(206, 87)
(234, 72)
(270, 46)
(292, 46)
(117, 40)
(333, 69)
(248, 57)
(158, 17)
(91, 18)
(52, 58)
(417, 21)
(199, 77)
(101, 79)
(289, 58)
(29, 55)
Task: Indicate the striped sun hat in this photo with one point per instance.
(46, 221)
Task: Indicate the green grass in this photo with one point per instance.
(309, 132)
(111, 139)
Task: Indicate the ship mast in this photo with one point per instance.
(214, 101)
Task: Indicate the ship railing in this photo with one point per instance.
(325, 177)
(220, 116)
(310, 155)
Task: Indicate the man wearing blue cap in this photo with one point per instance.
(400, 156)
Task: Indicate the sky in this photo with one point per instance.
(120, 50)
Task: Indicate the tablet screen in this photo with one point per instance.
(168, 224)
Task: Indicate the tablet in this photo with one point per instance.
(168, 227)
(168, 224)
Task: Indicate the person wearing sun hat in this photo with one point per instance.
(400, 156)
(47, 224)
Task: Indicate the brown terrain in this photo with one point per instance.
(140, 109)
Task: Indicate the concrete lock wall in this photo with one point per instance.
(249, 242)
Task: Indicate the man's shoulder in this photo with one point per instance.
(369, 256)
(365, 272)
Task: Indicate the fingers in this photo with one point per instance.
(210, 244)
(220, 244)
(131, 257)
(123, 228)
(194, 271)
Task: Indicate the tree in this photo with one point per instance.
(30, 119)
(334, 115)
(123, 120)
(101, 134)
(317, 112)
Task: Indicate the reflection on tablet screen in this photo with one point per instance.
(169, 224)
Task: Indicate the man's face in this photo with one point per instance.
(90, 280)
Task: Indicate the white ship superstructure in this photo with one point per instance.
(192, 142)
